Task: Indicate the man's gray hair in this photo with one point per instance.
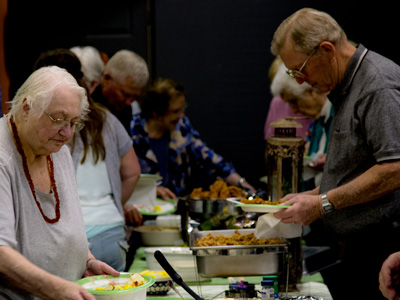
(307, 28)
(92, 65)
(126, 63)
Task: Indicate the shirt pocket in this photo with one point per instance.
(344, 150)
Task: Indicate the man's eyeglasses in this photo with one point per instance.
(61, 124)
(298, 73)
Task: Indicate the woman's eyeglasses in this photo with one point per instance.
(61, 124)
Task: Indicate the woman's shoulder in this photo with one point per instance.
(184, 123)
(111, 118)
(7, 148)
(112, 123)
(186, 129)
(63, 154)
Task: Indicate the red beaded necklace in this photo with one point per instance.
(28, 176)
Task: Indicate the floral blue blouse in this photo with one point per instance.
(187, 154)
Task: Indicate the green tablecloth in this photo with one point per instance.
(139, 264)
(309, 285)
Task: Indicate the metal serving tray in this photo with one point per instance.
(203, 209)
(240, 260)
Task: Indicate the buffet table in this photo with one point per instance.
(215, 287)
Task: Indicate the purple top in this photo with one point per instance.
(279, 109)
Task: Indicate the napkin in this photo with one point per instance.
(145, 192)
(144, 195)
(268, 226)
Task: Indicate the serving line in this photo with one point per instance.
(215, 287)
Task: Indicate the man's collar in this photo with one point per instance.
(351, 70)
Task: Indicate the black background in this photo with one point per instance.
(218, 49)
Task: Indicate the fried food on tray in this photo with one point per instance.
(198, 193)
(218, 190)
(236, 239)
(258, 200)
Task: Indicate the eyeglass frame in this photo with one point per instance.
(298, 73)
(75, 126)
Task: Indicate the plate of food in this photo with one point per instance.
(124, 286)
(257, 204)
(161, 207)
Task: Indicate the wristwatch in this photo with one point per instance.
(241, 180)
(326, 205)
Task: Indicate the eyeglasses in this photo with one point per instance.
(61, 124)
(298, 73)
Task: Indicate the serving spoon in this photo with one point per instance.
(174, 275)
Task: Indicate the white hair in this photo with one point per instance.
(39, 88)
(92, 64)
(282, 82)
(126, 63)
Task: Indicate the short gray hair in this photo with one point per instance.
(307, 28)
(92, 64)
(282, 82)
(126, 63)
(39, 88)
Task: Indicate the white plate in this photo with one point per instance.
(136, 293)
(263, 208)
(167, 207)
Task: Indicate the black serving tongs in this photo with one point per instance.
(173, 274)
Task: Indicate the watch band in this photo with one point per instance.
(326, 205)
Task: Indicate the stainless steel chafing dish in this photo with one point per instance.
(202, 209)
(241, 260)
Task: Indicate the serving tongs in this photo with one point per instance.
(174, 275)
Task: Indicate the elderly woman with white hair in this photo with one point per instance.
(313, 104)
(43, 245)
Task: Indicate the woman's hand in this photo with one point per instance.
(132, 215)
(165, 193)
(71, 291)
(248, 186)
(319, 163)
(97, 267)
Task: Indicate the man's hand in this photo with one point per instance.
(389, 277)
(304, 209)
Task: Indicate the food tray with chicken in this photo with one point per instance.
(224, 253)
